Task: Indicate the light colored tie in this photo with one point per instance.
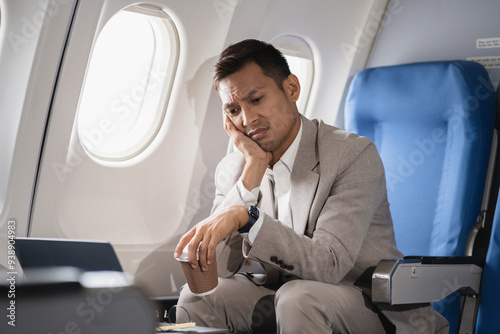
(272, 274)
(274, 202)
(280, 195)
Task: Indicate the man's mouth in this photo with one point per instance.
(257, 133)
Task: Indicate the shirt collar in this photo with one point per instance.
(288, 158)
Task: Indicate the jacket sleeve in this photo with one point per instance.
(229, 251)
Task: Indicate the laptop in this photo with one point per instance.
(36, 253)
(83, 254)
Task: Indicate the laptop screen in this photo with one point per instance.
(82, 254)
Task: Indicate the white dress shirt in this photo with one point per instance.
(280, 174)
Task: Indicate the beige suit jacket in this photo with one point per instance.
(342, 222)
(339, 209)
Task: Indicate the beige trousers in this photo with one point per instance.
(298, 306)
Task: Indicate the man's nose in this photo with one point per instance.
(249, 116)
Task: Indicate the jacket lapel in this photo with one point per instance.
(304, 178)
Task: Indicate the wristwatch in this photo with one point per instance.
(253, 215)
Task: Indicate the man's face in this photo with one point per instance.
(260, 109)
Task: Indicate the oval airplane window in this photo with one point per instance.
(127, 84)
(300, 59)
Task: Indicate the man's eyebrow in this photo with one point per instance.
(250, 94)
(244, 98)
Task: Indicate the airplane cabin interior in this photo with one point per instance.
(111, 132)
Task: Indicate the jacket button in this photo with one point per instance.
(280, 262)
(290, 267)
(282, 265)
(274, 258)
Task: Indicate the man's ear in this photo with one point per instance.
(291, 86)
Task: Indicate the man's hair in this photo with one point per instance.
(236, 56)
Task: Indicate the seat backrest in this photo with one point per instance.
(432, 124)
(488, 321)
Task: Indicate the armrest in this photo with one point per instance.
(424, 279)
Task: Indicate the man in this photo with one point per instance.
(306, 200)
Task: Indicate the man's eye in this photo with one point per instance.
(232, 112)
(256, 100)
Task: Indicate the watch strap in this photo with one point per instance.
(253, 215)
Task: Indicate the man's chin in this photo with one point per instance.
(266, 147)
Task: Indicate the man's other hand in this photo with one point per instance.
(204, 236)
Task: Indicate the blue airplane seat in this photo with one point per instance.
(432, 124)
(488, 321)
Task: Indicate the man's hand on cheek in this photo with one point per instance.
(256, 159)
(243, 143)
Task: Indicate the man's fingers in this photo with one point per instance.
(183, 242)
(193, 246)
(243, 143)
(228, 124)
(212, 246)
(231, 129)
(203, 252)
(201, 241)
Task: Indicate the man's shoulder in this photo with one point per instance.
(339, 149)
(331, 135)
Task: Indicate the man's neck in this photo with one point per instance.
(296, 129)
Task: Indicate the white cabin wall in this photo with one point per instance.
(32, 36)
(427, 30)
